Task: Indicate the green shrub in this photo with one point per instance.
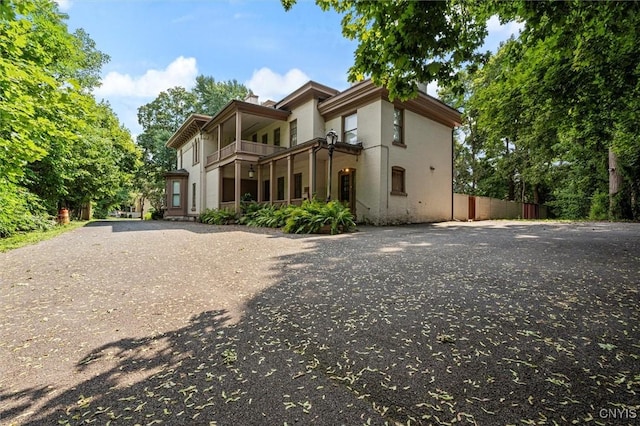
(157, 214)
(313, 216)
(99, 213)
(246, 200)
(218, 217)
(21, 211)
(599, 209)
(266, 215)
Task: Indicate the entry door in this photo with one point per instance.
(348, 189)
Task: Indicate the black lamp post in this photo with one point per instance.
(332, 138)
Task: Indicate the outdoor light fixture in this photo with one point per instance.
(251, 171)
(332, 139)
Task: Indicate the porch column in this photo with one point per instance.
(203, 173)
(220, 187)
(219, 139)
(272, 180)
(238, 130)
(312, 173)
(238, 182)
(259, 166)
(289, 178)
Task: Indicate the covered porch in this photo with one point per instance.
(290, 176)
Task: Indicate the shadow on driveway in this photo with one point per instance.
(509, 324)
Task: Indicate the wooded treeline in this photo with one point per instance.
(58, 146)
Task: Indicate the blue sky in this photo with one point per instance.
(158, 44)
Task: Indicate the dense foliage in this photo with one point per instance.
(161, 117)
(58, 146)
(218, 217)
(553, 116)
(312, 217)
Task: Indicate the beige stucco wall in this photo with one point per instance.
(307, 115)
(428, 169)
(370, 199)
(213, 189)
(195, 176)
(490, 208)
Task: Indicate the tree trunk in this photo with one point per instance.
(536, 194)
(615, 182)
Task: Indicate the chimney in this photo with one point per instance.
(251, 98)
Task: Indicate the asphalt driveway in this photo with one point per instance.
(179, 323)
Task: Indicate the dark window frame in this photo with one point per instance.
(193, 196)
(398, 181)
(280, 188)
(297, 186)
(196, 152)
(293, 133)
(345, 131)
(400, 128)
(174, 194)
(276, 136)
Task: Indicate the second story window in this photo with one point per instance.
(196, 151)
(293, 133)
(276, 137)
(398, 122)
(265, 138)
(350, 129)
(180, 159)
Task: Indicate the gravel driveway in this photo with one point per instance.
(130, 322)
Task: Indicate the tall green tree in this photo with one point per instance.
(213, 95)
(163, 116)
(47, 115)
(402, 42)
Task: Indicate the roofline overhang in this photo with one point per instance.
(309, 90)
(235, 106)
(191, 126)
(366, 92)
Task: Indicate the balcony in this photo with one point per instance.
(246, 147)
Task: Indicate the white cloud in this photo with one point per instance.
(64, 5)
(270, 85)
(507, 30)
(180, 72)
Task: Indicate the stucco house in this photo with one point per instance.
(392, 162)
